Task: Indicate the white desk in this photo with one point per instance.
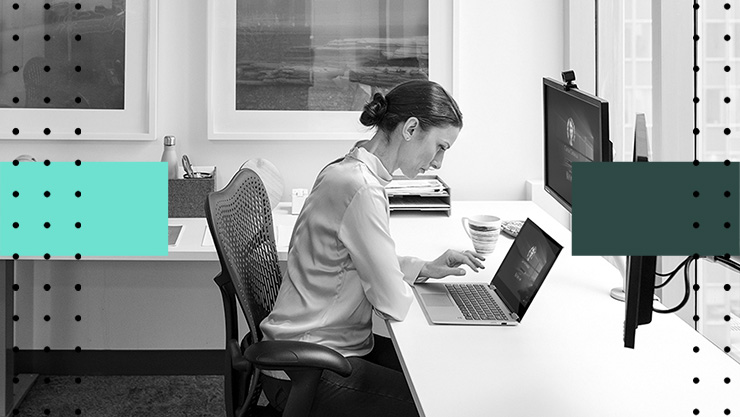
(189, 248)
(567, 357)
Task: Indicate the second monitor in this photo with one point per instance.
(576, 129)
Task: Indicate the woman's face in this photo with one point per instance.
(424, 149)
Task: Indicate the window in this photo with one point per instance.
(719, 81)
(651, 73)
(718, 86)
(625, 69)
(638, 83)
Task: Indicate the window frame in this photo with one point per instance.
(673, 56)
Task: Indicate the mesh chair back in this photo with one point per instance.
(33, 72)
(241, 217)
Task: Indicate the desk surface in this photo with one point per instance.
(192, 245)
(567, 356)
(195, 246)
(565, 359)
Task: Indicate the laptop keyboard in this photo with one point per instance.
(475, 302)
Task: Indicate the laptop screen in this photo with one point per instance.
(525, 267)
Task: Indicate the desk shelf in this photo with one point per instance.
(419, 199)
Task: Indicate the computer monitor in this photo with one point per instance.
(576, 129)
(639, 286)
(640, 153)
(639, 291)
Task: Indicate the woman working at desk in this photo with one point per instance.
(342, 263)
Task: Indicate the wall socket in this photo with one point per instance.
(298, 198)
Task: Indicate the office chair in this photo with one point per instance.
(33, 74)
(55, 84)
(240, 219)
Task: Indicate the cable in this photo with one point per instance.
(671, 274)
(727, 262)
(687, 293)
(674, 271)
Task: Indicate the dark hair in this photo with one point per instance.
(425, 100)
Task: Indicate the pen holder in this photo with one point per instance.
(187, 196)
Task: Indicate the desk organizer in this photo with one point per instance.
(187, 196)
(418, 196)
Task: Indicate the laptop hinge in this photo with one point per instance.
(494, 289)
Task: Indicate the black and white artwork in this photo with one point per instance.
(63, 54)
(326, 55)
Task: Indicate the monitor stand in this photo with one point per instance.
(617, 293)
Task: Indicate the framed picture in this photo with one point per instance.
(303, 69)
(78, 70)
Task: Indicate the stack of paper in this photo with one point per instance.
(424, 193)
(415, 187)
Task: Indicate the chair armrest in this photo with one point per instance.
(290, 355)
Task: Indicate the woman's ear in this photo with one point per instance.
(410, 127)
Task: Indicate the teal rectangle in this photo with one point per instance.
(121, 210)
(656, 208)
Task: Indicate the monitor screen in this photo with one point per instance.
(576, 129)
(525, 267)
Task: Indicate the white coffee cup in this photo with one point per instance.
(483, 230)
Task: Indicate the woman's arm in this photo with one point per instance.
(365, 233)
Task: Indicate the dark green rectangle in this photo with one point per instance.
(656, 208)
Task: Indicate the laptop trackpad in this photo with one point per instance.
(437, 300)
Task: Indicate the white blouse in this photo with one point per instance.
(342, 262)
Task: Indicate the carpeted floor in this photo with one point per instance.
(124, 396)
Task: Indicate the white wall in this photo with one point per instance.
(579, 49)
(505, 48)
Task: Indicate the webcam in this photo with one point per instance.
(569, 77)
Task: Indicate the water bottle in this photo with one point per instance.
(170, 156)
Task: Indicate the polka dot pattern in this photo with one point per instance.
(727, 130)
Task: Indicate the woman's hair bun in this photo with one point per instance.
(374, 111)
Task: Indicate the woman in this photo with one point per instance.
(342, 264)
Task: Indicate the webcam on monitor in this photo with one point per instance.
(569, 77)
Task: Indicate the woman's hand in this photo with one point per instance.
(449, 262)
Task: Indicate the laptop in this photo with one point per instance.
(511, 291)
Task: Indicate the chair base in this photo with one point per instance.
(266, 411)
